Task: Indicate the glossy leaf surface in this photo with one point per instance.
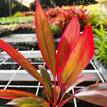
(81, 78)
(29, 102)
(96, 94)
(12, 94)
(79, 57)
(45, 38)
(68, 41)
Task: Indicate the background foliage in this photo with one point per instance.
(101, 44)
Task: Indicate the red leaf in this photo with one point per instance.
(45, 38)
(96, 94)
(69, 39)
(81, 78)
(79, 57)
(12, 94)
(21, 60)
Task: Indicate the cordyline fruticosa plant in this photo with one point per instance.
(73, 55)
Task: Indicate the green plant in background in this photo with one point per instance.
(101, 44)
(16, 20)
(58, 18)
(18, 14)
(24, 23)
(12, 24)
(55, 29)
(15, 24)
(96, 15)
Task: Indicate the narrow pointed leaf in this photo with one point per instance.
(73, 59)
(28, 102)
(20, 59)
(45, 38)
(12, 94)
(85, 56)
(47, 79)
(81, 78)
(97, 86)
(96, 94)
(80, 57)
(69, 39)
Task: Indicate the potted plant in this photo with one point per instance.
(73, 55)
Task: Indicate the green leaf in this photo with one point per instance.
(29, 102)
(97, 31)
(102, 30)
(101, 44)
(46, 78)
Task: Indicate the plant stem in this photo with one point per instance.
(55, 96)
(62, 98)
(65, 101)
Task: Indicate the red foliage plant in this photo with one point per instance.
(61, 16)
(73, 55)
